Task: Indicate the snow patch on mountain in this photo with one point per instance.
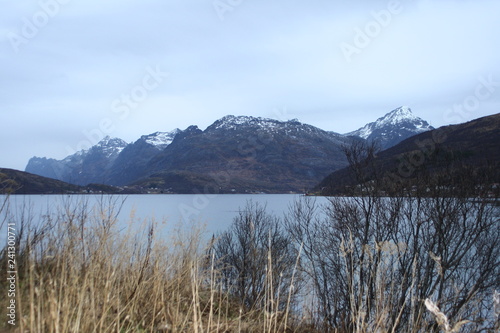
(110, 146)
(290, 127)
(234, 122)
(392, 128)
(399, 118)
(160, 140)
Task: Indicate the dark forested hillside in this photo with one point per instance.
(465, 152)
(19, 182)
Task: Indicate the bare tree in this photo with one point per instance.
(255, 258)
(374, 260)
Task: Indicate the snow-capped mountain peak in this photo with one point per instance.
(231, 122)
(160, 140)
(398, 115)
(392, 128)
(107, 141)
(234, 122)
(110, 146)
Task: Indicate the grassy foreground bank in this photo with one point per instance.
(77, 272)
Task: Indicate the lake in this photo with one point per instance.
(214, 212)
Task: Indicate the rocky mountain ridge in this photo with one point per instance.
(256, 155)
(394, 127)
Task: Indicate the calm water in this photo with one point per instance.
(213, 212)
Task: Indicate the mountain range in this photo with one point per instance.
(236, 154)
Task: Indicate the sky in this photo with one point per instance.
(73, 71)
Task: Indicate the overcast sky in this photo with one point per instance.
(75, 70)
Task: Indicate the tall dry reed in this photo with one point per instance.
(79, 272)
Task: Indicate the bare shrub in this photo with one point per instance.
(256, 261)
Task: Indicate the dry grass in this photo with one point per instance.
(78, 273)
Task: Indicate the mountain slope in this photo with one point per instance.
(47, 167)
(247, 154)
(394, 127)
(130, 163)
(465, 152)
(83, 167)
(97, 162)
(19, 182)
